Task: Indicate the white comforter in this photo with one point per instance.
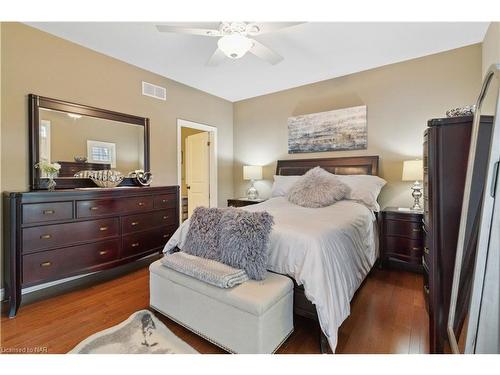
(329, 250)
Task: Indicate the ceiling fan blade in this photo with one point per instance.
(267, 27)
(186, 30)
(265, 53)
(216, 58)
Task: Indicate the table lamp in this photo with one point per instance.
(413, 171)
(252, 173)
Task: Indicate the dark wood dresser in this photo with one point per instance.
(402, 239)
(446, 149)
(53, 235)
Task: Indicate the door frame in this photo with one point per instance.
(212, 136)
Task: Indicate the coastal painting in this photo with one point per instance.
(338, 130)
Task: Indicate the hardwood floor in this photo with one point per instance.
(387, 316)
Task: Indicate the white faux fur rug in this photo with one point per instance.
(141, 333)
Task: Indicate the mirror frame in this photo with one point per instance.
(37, 102)
(485, 215)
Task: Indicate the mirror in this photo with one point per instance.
(476, 228)
(83, 140)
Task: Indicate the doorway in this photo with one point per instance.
(196, 166)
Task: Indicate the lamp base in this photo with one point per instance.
(416, 194)
(252, 192)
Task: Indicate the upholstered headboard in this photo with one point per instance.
(343, 165)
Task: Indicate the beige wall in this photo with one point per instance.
(43, 64)
(491, 46)
(400, 98)
(69, 139)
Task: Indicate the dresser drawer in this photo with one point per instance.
(98, 207)
(44, 212)
(102, 207)
(59, 235)
(165, 201)
(410, 229)
(142, 242)
(55, 264)
(137, 204)
(403, 246)
(139, 222)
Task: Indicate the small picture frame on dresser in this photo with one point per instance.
(401, 238)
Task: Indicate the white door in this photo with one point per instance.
(198, 171)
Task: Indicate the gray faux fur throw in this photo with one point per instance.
(207, 270)
(231, 236)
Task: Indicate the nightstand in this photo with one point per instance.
(401, 238)
(241, 202)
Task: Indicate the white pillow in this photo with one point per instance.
(282, 184)
(364, 188)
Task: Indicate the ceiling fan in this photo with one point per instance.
(236, 39)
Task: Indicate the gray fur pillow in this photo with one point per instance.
(317, 188)
(244, 241)
(231, 236)
(202, 239)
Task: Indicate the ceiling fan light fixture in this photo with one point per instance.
(234, 46)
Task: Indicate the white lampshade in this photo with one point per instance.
(234, 46)
(413, 170)
(252, 172)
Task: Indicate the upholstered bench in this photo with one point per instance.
(253, 317)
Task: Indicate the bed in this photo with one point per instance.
(327, 251)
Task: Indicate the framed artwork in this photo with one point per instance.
(337, 130)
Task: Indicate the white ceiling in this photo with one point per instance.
(312, 51)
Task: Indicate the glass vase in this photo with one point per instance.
(51, 184)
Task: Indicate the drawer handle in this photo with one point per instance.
(103, 252)
(426, 289)
(163, 201)
(94, 208)
(48, 212)
(165, 235)
(415, 248)
(45, 264)
(140, 204)
(134, 223)
(426, 250)
(135, 244)
(417, 229)
(45, 236)
(102, 229)
(165, 217)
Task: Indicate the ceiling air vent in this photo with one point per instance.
(154, 91)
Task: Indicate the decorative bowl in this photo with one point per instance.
(467, 110)
(80, 159)
(106, 178)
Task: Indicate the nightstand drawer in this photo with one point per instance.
(408, 229)
(403, 246)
